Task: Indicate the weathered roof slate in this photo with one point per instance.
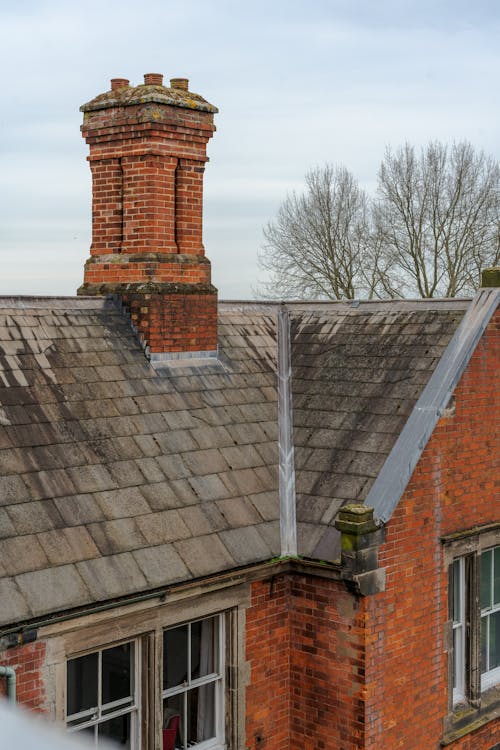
(357, 374)
(117, 476)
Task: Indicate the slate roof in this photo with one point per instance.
(357, 374)
(117, 477)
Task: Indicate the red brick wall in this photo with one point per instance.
(175, 322)
(306, 650)
(27, 660)
(268, 653)
(454, 487)
(327, 665)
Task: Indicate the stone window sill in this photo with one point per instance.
(466, 718)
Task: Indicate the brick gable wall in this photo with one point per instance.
(455, 487)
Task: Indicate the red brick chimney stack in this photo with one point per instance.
(147, 158)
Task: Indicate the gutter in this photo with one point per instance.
(10, 675)
(267, 569)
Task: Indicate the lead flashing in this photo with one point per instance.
(288, 520)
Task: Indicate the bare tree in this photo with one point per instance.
(319, 243)
(434, 225)
(437, 218)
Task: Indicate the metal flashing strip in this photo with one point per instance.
(395, 474)
(288, 522)
(181, 359)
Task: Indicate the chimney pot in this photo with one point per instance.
(119, 83)
(179, 83)
(153, 79)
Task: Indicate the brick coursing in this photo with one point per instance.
(268, 653)
(306, 649)
(175, 321)
(327, 658)
(28, 662)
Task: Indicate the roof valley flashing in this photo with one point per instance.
(286, 483)
(147, 157)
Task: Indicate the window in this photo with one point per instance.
(101, 698)
(490, 617)
(475, 622)
(176, 680)
(193, 687)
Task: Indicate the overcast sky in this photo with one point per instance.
(297, 83)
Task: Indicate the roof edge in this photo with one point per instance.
(256, 571)
(392, 480)
(28, 302)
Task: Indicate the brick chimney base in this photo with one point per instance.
(168, 317)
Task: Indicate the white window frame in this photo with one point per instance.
(489, 677)
(458, 627)
(215, 678)
(95, 713)
(467, 684)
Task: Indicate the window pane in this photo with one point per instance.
(201, 713)
(486, 579)
(494, 645)
(496, 575)
(89, 733)
(116, 730)
(175, 657)
(456, 591)
(484, 644)
(204, 647)
(173, 724)
(457, 651)
(82, 684)
(117, 672)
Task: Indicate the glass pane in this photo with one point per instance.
(484, 641)
(116, 730)
(456, 591)
(201, 714)
(204, 647)
(496, 577)
(89, 732)
(486, 579)
(175, 657)
(457, 653)
(173, 725)
(494, 645)
(82, 684)
(117, 672)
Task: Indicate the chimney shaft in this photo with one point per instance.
(147, 158)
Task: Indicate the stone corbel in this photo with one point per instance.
(361, 537)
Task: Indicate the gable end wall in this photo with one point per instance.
(455, 487)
